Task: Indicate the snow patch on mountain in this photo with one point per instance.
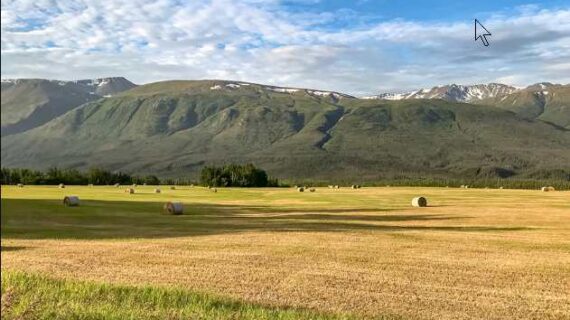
(318, 93)
(104, 86)
(324, 93)
(453, 92)
(282, 90)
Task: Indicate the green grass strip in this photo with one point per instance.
(31, 296)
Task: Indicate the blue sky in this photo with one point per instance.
(358, 47)
(426, 10)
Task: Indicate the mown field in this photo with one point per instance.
(281, 254)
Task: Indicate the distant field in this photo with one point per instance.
(278, 253)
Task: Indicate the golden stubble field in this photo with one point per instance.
(473, 254)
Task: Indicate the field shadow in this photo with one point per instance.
(11, 248)
(369, 218)
(94, 219)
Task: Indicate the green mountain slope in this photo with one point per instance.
(28, 103)
(543, 101)
(176, 127)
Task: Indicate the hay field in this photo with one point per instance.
(366, 253)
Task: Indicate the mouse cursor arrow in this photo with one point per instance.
(481, 33)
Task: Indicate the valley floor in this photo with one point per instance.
(278, 253)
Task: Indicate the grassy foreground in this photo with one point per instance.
(29, 296)
(472, 254)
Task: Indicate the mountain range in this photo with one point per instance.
(545, 101)
(453, 92)
(28, 103)
(176, 127)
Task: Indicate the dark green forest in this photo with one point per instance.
(54, 176)
(236, 176)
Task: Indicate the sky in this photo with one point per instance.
(357, 47)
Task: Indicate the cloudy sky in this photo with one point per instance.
(358, 47)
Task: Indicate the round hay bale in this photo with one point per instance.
(336, 187)
(301, 189)
(172, 188)
(547, 189)
(61, 186)
(175, 208)
(215, 190)
(157, 190)
(20, 185)
(419, 202)
(71, 201)
(353, 186)
(312, 190)
(117, 185)
(130, 190)
(501, 188)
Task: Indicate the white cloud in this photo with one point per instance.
(257, 41)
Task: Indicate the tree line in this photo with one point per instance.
(248, 176)
(234, 175)
(226, 176)
(53, 176)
